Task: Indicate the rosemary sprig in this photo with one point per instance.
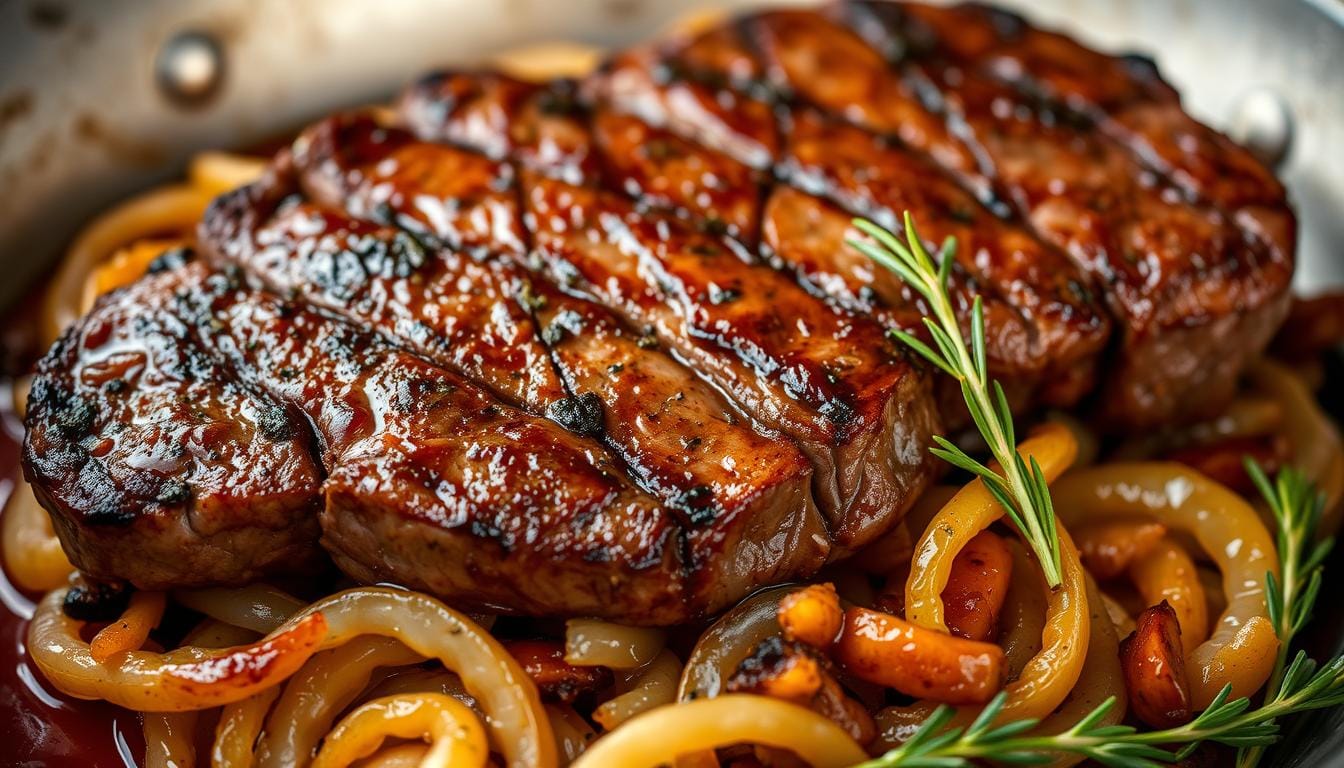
(1296, 506)
(1294, 686)
(1022, 488)
(1230, 722)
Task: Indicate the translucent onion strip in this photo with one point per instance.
(1315, 440)
(971, 510)
(318, 692)
(654, 686)
(33, 554)
(168, 210)
(657, 737)
(1023, 617)
(455, 733)
(197, 678)
(170, 739)
(728, 641)
(218, 172)
(593, 643)
(573, 734)
(1242, 646)
(1167, 572)
(1100, 680)
(258, 607)
(239, 727)
(1047, 678)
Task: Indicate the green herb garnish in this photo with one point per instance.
(1022, 488)
(1296, 506)
(1232, 722)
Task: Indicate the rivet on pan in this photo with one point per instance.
(1263, 123)
(189, 68)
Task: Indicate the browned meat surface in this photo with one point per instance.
(158, 467)
(600, 348)
(744, 497)
(435, 484)
(846, 394)
(1187, 235)
(1180, 234)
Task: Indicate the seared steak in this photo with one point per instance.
(831, 381)
(600, 348)
(159, 467)
(1182, 235)
(743, 496)
(435, 484)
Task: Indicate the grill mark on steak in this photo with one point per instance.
(864, 64)
(743, 478)
(1178, 274)
(437, 485)
(831, 381)
(733, 489)
(157, 466)
(1047, 330)
(1125, 96)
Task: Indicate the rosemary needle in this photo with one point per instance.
(1021, 488)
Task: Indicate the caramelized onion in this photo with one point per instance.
(33, 554)
(1242, 646)
(728, 641)
(318, 692)
(258, 607)
(1047, 678)
(657, 737)
(969, 512)
(654, 686)
(456, 736)
(239, 728)
(593, 643)
(196, 678)
(1166, 574)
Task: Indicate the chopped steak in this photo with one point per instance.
(158, 467)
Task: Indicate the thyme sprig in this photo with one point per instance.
(1227, 721)
(1021, 488)
(1296, 506)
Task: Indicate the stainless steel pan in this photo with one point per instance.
(101, 98)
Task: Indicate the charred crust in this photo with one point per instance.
(838, 412)
(273, 423)
(96, 601)
(582, 414)
(173, 492)
(74, 417)
(698, 504)
(173, 258)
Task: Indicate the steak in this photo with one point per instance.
(600, 348)
(434, 483)
(831, 381)
(158, 466)
(1184, 239)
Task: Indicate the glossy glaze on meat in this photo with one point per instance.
(1180, 235)
(158, 466)
(742, 496)
(600, 348)
(833, 383)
